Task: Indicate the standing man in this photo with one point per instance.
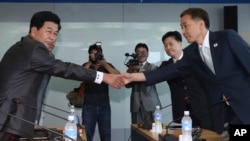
(187, 93)
(220, 60)
(96, 106)
(22, 72)
(143, 99)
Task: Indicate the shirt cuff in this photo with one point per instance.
(99, 77)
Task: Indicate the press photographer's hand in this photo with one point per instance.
(102, 62)
(132, 69)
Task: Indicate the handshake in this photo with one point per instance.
(119, 80)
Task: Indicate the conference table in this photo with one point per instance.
(140, 134)
(54, 129)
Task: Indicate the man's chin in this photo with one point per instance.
(50, 48)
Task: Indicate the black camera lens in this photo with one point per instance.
(99, 56)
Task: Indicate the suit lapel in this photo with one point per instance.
(215, 50)
(170, 61)
(195, 54)
(147, 66)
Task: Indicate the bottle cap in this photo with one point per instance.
(186, 113)
(157, 107)
(71, 117)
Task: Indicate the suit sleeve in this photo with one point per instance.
(43, 62)
(168, 72)
(240, 48)
(163, 64)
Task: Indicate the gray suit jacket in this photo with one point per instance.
(142, 94)
(21, 72)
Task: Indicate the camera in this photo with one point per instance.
(133, 61)
(99, 55)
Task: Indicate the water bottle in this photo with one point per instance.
(158, 118)
(70, 129)
(72, 112)
(186, 126)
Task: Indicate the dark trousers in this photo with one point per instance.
(142, 116)
(100, 114)
(4, 136)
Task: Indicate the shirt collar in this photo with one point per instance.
(206, 41)
(144, 63)
(180, 57)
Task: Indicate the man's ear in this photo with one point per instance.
(33, 30)
(202, 24)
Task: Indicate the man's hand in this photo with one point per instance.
(114, 80)
(131, 77)
(127, 78)
(102, 62)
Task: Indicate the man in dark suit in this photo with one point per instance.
(187, 93)
(22, 72)
(225, 77)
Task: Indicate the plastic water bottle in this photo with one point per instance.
(186, 125)
(72, 112)
(70, 129)
(158, 118)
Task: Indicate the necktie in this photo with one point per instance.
(206, 57)
(141, 67)
(175, 60)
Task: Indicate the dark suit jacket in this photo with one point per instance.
(230, 55)
(188, 94)
(21, 72)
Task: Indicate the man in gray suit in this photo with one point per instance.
(23, 69)
(144, 99)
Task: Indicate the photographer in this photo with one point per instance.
(143, 98)
(96, 106)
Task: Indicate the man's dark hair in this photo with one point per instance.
(175, 34)
(141, 45)
(39, 18)
(197, 13)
